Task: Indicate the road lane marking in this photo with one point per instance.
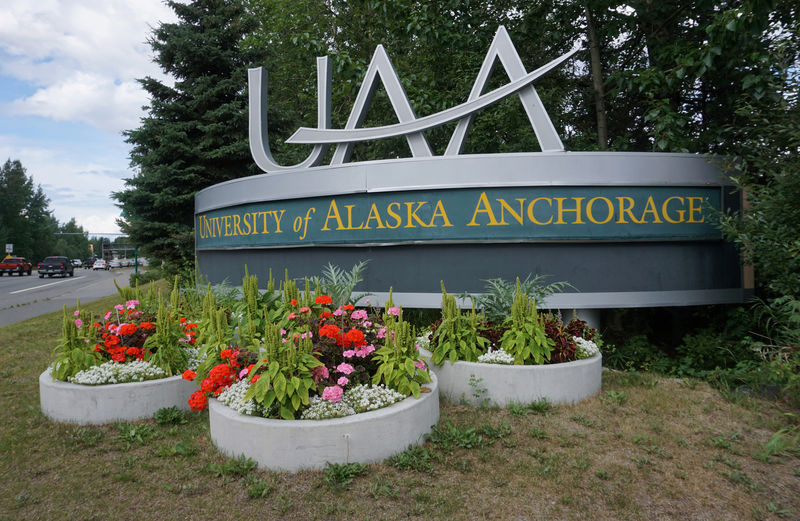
(44, 285)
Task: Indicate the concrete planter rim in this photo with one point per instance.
(291, 445)
(107, 403)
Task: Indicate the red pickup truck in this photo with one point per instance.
(16, 265)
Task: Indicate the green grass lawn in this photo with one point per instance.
(644, 448)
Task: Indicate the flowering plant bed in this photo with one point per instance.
(307, 444)
(526, 357)
(124, 365)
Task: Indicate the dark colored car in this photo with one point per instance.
(56, 266)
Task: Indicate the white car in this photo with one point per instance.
(99, 264)
(114, 263)
(77, 263)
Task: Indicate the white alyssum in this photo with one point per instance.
(117, 373)
(233, 397)
(195, 358)
(356, 399)
(586, 348)
(422, 340)
(498, 356)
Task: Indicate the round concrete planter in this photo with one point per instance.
(95, 404)
(498, 384)
(309, 444)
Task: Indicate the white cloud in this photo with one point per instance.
(76, 188)
(82, 56)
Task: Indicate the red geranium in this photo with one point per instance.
(323, 299)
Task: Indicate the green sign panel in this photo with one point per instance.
(511, 214)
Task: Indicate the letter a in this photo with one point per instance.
(503, 48)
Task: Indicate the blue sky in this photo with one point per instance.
(68, 89)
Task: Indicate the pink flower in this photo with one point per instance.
(78, 323)
(131, 304)
(305, 310)
(365, 351)
(382, 332)
(292, 316)
(332, 393)
(283, 331)
(359, 314)
(342, 381)
(366, 301)
(344, 368)
(419, 364)
(349, 353)
(320, 373)
(119, 307)
(77, 312)
(107, 315)
(367, 324)
(394, 311)
(243, 373)
(338, 313)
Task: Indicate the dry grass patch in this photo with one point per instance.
(644, 448)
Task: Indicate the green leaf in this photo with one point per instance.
(280, 386)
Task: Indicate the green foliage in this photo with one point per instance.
(170, 416)
(496, 302)
(25, 217)
(448, 437)
(235, 467)
(413, 458)
(286, 378)
(785, 442)
(339, 284)
(167, 351)
(258, 488)
(71, 355)
(396, 360)
(195, 131)
(457, 336)
(338, 475)
(131, 433)
(525, 339)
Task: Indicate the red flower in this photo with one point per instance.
(325, 314)
(98, 348)
(189, 375)
(221, 374)
(225, 354)
(323, 299)
(329, 330)
(354, 337)
(119, 357)
(147, 325)
(126, 329)
(133, 351)
(293, 302)
(198, 401)
(255, 378)
(111, 340)
(183, 320)
(349, 307)
(206, 385)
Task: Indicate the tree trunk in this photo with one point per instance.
(597, 81)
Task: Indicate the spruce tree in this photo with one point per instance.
(195, 132)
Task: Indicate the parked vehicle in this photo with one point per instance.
(88, 263)
(77, 263)
(16, 265)
(114, 263)
(56, 266)
(99, 264)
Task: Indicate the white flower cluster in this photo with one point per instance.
(422, 340)
(117, 373)
(586, 348)
(194, 358)
(357, 399)
(319, 409)
(498, 356)
(363, 398)
(233, 397)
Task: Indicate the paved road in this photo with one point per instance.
(25, 297)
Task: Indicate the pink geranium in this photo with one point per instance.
(342, 381)
(344, 368)
(359, 314)
(332, 393)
